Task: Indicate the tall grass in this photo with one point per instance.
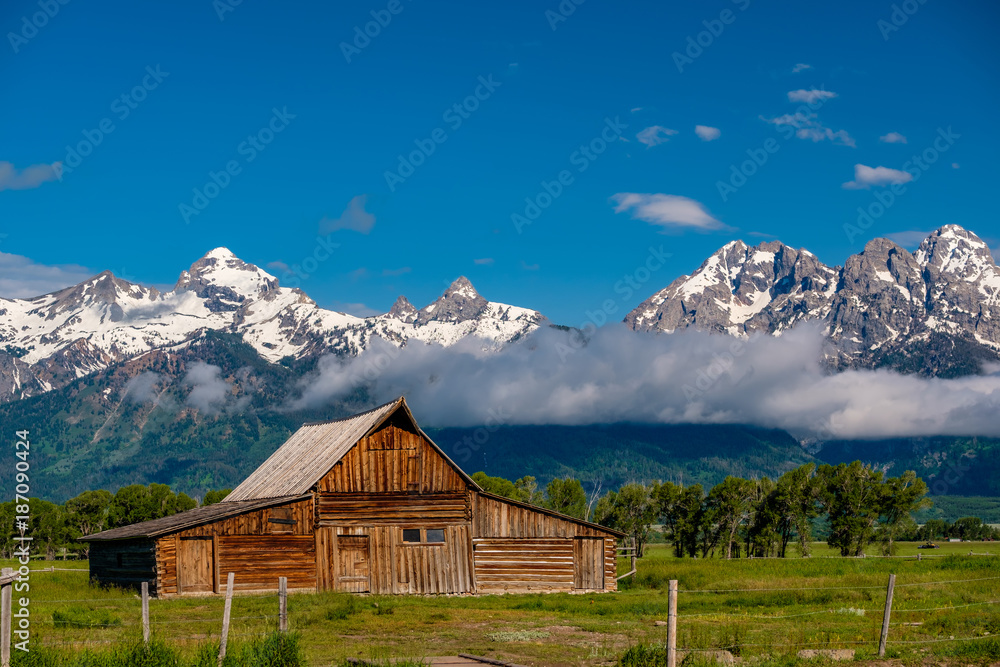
(273, 650)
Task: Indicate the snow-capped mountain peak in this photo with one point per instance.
(49, 340)
(884, 303)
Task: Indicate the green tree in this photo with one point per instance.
(498, 486)
(901, 496)
(526, 490)
(681, 511)
(135, 503)
(87, 514)
(728, 507)
(851, 494)
(213, 497)
(632, 510)
(567, 496)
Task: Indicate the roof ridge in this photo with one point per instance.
(320, 422)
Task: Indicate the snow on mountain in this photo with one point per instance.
(51, 339)
(883, 303)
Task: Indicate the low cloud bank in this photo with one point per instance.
(688, 377)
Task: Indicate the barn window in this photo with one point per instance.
(281, 520)
(423, 535)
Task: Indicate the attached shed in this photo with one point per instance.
(366, 504)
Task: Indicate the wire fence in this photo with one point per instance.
(256, 616)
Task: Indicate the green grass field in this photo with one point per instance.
(829, 602)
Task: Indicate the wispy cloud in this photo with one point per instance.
(810, 96)
(807, 126)
(354, 218)
(21, 277)
(707, 133)
(483, 261)
(30, 177)
(671, 212)
(358, 274)
(529, 267)
(396, 272)
(209, 392)
(909, 239)
(892, 138)
(865, 177)
(278, 266)
(655, 135)
(800, 67)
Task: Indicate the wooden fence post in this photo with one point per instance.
(283, 604)
(145, 612)
(6, 598)
(225, 618)
(885, 616)
(634, 556)
(672, 624)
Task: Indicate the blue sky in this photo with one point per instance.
(198, 87)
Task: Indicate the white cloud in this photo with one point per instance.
(21, 278)
(706, 133)
(810, 96)
(209, 392)
(484, 261)
(954, 165)
(892, 138)
(808, 127)
(529, 267)
(278, 266)
(865, 177)
(800, 67)
(655, 135)
(29, 177)
(687, 377)
(668, 211)
(396, 272)
(354, 217)
(909, 239)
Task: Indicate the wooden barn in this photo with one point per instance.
(366, 504)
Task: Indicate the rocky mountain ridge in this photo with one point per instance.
(934, 311)
(48, 340)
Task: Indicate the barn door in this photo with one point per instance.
(588, 563)
(195, 565)
(352, 563)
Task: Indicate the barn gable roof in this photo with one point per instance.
(189, 519)
(309, 454)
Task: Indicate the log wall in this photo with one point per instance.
(125, 563)
(251, 545)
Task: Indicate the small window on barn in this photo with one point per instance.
(423, 535)
(281, 520)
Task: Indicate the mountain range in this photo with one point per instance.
(124, 383)
(935, 311)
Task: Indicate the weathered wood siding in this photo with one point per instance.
(524, 549)
(509, 565)
(496, 518)
(125, 563)
(258, 561)
(392, 460)
(394, 567)
(366, 509)
(252, 546)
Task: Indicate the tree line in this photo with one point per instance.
(858, 504)
(56, 529)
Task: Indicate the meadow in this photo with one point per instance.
(761, 610)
